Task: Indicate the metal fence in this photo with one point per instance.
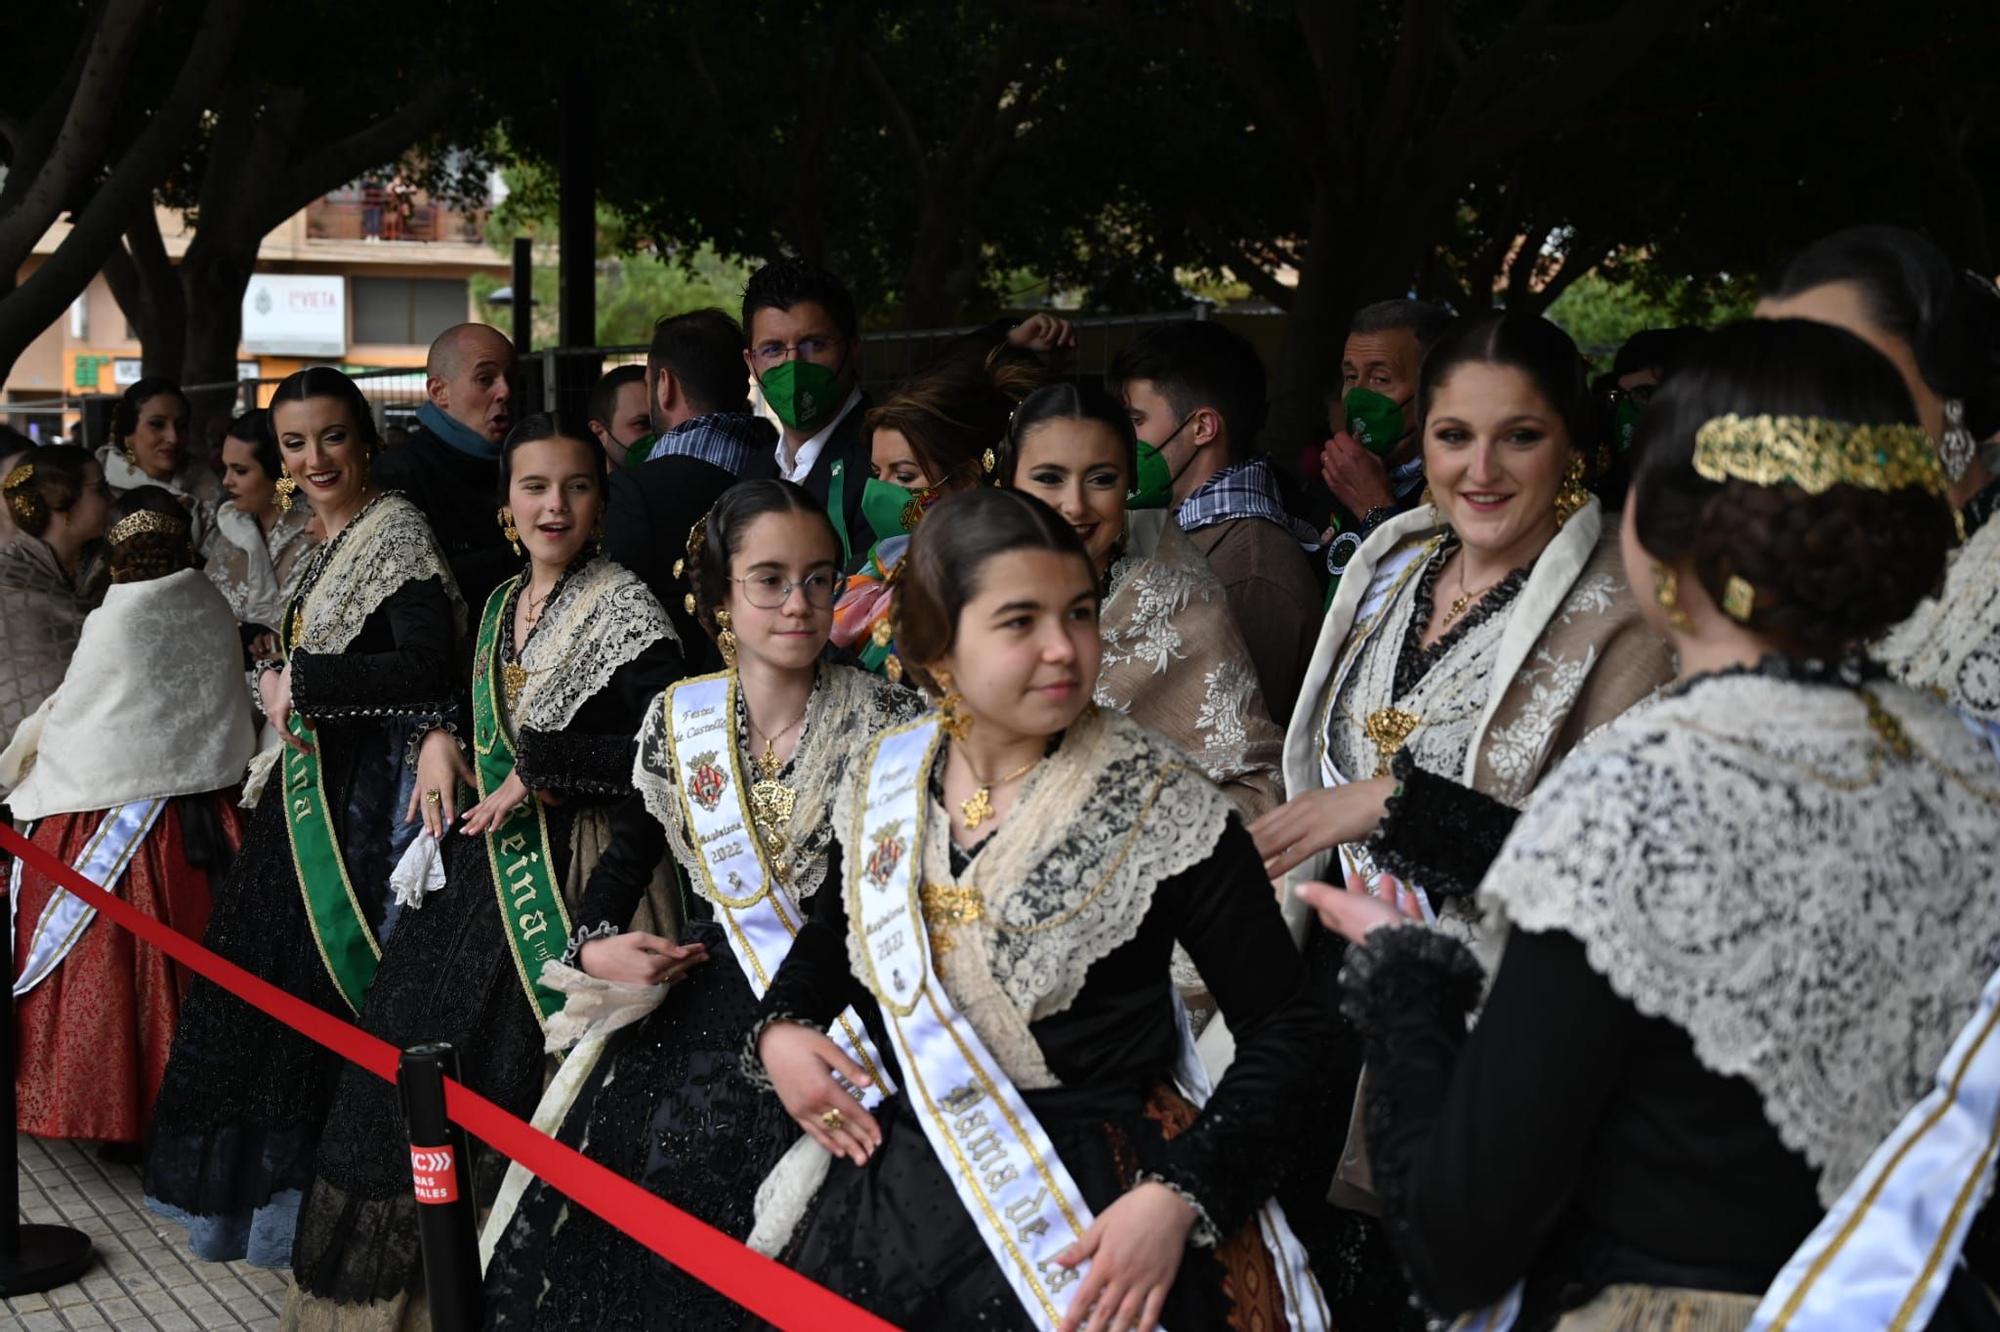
(558, 379)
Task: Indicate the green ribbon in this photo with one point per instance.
(340, 928)
(517, 848)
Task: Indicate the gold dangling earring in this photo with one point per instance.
(508, 530)
(1666, 591)
(725, 639)
(1574, 494)
(956, 722)
(286, 486)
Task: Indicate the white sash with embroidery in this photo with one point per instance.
(760, 919)
(1883, 1253)
(1020, 1197)
(1352, 857)
(1305, 1305)
(65, 917)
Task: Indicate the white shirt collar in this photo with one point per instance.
(808, 454)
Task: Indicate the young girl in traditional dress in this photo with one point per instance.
(368, 642)
(1011, 872)
(759, 749)
(567, 655)
(129, 774)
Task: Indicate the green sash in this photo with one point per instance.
(524, 872)
(340, 928)
(836, 509)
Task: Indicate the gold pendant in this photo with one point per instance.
(771, 805)
(977, 807)
(513, 678)
(1388, 730)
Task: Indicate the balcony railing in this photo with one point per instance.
(386, 216)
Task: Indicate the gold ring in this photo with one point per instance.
(433, 797)
(833, 1120)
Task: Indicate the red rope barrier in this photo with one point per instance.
(768, 1289)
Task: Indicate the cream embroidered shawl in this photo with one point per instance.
(1175, 662)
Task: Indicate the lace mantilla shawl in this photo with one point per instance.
(195, 484)
(256, 571)
(390, 545)
(1175, 662)
(1748, 861)
(41, 617)
(603, 619)
(1068, 878)
(847, 707)
(1952, 642)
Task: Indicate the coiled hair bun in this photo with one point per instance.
(1830, 571)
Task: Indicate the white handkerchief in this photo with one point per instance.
(420, 871)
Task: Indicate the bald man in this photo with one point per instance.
(450, 467)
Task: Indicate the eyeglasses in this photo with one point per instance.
(769, 591)
(807, 349)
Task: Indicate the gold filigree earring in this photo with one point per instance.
(508, 530)
(725, 639)
(1739, 599)
(956, 721)
(1666, 591)
(1574, 494)
(286, 486)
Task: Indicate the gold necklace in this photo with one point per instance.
(1465, 598)
(978, 807)
(771, 801)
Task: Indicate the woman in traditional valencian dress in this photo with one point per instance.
(129, 775)
(1750, 972)
(1471, 643)
(1011, 873)
(51, 573)
(258, 554)
(568, 654)
(1174, 660)
(152, 445)
(1898, 293)
(369, 640)
(665, 1103)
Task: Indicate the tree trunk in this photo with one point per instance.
(29, 309)
(214, 277)
(148, 290)
(1311, 346)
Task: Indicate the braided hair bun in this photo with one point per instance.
(1829, 571)
(149, 536)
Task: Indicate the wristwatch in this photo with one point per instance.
(1377, 516)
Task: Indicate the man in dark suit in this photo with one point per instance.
(805, 350)
(450, 465)
(697, 388)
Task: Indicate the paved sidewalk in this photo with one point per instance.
(143, 1277)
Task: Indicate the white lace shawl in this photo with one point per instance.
(1068, 878)
(1952, 642)
(603, 619)
(847, 707)
(1748, 861)
(390, 545)
(257, 571)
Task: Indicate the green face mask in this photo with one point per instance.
(1375, 421)
(637, 451)
(890, 509)
(1155, 484)
(804, 394)
(1625, 423)
(1156, 480)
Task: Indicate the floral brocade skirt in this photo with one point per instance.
(94, 1036)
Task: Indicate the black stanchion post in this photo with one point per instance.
(32, 1257)
(441, 1174)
